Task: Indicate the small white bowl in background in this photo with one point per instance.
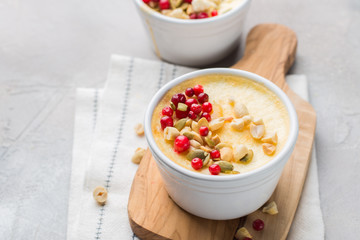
(193, 42)
(221, 197)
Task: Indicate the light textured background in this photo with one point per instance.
(48, 48)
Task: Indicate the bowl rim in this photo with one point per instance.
(288, 147)
(162, 17)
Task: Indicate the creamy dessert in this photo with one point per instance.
(220, 124)
(192, 9)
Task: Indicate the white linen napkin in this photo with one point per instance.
(104, 141)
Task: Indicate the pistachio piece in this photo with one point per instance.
(270, 138)
(222, 145)
(170, 133)
(226, 154)
(257, 131)
(271, 208)
(209, 142)
(242, 233)
(175, 3)
(195, 144)
(188, 123)
(182, 107)
(232, 172)
(184, 6)
(172, 105)
(216, 124)
(237, 124)
(268, 148)
(180, 124)
(100, 195)
(216, 139)
(196, 153)
(206, 149)
(258, 121)
(248, 157)
(247, 119)
(139, 129)
(240, 110)
(195, 126)
(206, 161)
(178, 13)
(185, 129)
(197, 137)
(239, 151)
(138, 155)
(189, 10)
(225, 166)
(188, 134)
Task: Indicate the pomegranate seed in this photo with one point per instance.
(214, 169)
(193, 16)
(167, 111)
(207, 116)
(188, 1)
(196, 163)
(258, 225)
(181, 144)
(164, 4)
(215, 154)
(198, 89)
(203, 97)
(203, 131)
(191, 101)
(192, 115)
(146, 1)
(166, 121)
(207, 107)
(196, 108)
(189, 92)
(202, 15)
(182, 97)
(181, 114)
(178, 98)
(214, 13)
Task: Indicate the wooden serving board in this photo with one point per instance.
(270, 52)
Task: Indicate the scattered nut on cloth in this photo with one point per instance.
(104, 142)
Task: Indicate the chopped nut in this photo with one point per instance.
(138, 155)
(217, 124)
(175, 3)
(242, 233)
(240, 110)
(202, 5)
(196, 153)
(225, 166)
(216, 139)
(100, 195)
(195, 126)
(189, 10)
(188, 134)
(180, 124)
(239, 151)
(247, 119)
(184, 6)
(139, 129)
(270, 138)
(237, 124)
(257, 131)
(182, 107)
(271, 208)
(207, 159)
(178, 13)
(195, 144)
(197, 137)
(188, 123)
(248, 157)
(226, 154)
(170, 133)
(268, 148)
(232, 172)
(222, 145)
(203, 123)
(209, 142)
(206, 149)
(258, 121)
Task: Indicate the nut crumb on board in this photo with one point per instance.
(100, 195)
(138, 155)
(139, 129)
(271, 208)
(242, 233)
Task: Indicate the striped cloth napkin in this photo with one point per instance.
(104, 142)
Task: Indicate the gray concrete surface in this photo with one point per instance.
(48, 48)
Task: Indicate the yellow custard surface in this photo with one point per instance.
(259, 100)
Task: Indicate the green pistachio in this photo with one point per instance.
(248, 157)
(225, 166)
(196, 153)
(180, 124)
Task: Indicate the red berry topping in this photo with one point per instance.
(146, 1)
(203, 131)
(203, 97)
(214, 13)
(188, 1)
(192, 115)
(189, 92)
(167, 111)
(214, 154)
(181, 144)
(191, 101)
(178, 98)
(181, 114)
(196, 108)
(202, 15)
(207, 107)
(166, 121)
(182, 97)
(207, 116)
(258, 225)
(196, 163)
(193, 16)
(164, 4)
(198, 89)
(214, 169)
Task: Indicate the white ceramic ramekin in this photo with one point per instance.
(221, 197)
(193, 42)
